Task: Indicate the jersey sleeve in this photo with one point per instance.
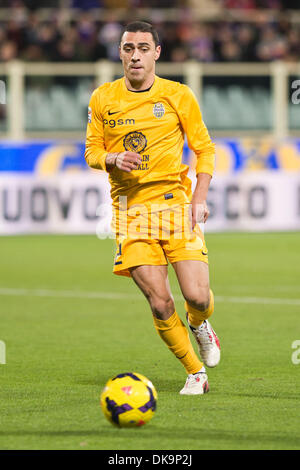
(196, 132)
(95, 152)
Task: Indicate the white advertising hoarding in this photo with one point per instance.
(79, 203)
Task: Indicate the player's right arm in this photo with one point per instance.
(125, 161)
(96, 154)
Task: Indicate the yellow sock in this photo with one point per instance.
(196, 317)
(173, 332)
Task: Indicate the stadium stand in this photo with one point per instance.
(216, 31)
(78, 36)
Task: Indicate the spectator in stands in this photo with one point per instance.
(109, 36)
(46, 38)
(246, 38)
(179, 54)
(293, 38)
(230, 52)
(33, 53)
(170, 41)
(271, 45)
(66, 51)
(200, 43)
(223, 34)
(8, 51)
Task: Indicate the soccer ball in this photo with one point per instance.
(128, 400)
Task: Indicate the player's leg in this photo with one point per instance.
(193, 278)
(153, 282)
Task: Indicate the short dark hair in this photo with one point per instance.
(143, 27)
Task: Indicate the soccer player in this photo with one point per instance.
(135, 132)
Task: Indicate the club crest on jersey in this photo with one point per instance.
(158, 110)
(89, 114)
(135, 142)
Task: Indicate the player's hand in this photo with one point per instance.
(200, 212)
(128, 161)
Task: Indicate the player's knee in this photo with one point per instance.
(162, 308)
(199, 300)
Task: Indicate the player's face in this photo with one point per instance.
(138, 54)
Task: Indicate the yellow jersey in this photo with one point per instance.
(152, 123)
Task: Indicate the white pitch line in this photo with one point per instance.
(8, 291)
(65, 293)
(257, 300)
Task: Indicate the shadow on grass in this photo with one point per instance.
(204, 437)
(172, 384)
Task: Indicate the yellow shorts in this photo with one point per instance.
(159, 238)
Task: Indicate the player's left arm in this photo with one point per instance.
(200, 211)
(200, 142)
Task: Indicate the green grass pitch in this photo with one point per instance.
(69, 325)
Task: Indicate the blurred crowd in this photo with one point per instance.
(87, 4)
(86, 38)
